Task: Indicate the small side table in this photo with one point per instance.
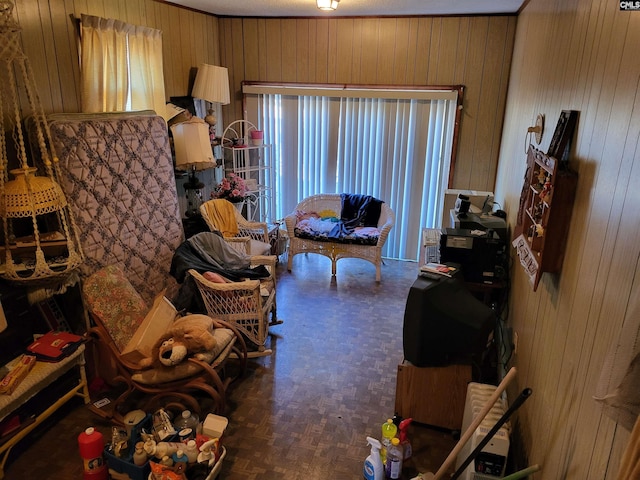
(42, 375)
(276, 239)
(194, 224)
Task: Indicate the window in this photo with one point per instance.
(396, 145)
(121, 66)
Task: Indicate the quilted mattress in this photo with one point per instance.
(117, 174)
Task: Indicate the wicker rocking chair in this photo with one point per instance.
(248, 305)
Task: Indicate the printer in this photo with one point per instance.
(481, 254)
(481, 221)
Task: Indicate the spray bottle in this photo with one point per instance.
(373, 468)
(404, 439)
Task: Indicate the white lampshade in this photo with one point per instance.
(212, 84)
(327, 4)
(192, 145)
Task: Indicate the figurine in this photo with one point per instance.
(546, 189)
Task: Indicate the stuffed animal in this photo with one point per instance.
(191, 334)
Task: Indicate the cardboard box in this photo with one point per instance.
(155, 323)
(214, 426)
(18, 373)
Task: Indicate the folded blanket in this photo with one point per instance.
(356, 211)
(223, 216)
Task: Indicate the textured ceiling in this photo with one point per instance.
(350, 8)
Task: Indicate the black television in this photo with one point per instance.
(444, 323)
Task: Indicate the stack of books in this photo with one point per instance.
(440, 269)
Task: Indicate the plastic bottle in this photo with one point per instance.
(393, 467)
(208, 451)
(404, 439)
(187, 425)
(179, 457)
(91, 445)
(373, 468)
(389, 430)
(191, 451)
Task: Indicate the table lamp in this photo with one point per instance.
(212, 84)
(193, 153)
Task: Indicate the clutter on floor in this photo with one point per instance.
(163, 445)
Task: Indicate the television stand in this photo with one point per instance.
(432, 395)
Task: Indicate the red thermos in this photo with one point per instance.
(91, 444)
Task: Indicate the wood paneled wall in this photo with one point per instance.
(575, 54)
(472, 51)
(579, 55)
(49, 39)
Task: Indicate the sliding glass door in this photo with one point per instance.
(397, 149)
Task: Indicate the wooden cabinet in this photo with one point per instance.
(432, 395)
(544, 215)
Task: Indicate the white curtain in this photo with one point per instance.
(396, 149)
(121, 66)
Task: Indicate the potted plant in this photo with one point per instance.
(231, 188)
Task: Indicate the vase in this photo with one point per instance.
(239, 205)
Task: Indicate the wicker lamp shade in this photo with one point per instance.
(30, 201)
(29, 194)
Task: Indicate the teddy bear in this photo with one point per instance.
(191, 334)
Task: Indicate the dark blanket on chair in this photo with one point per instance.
(208, 252)
(356, 211)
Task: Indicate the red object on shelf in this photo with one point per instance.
(91, 445)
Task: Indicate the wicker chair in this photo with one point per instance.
(336, 250)
(214, 212)
(249, 305)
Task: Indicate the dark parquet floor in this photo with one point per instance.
(305, 411)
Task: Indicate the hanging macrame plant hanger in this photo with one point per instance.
(41, 244)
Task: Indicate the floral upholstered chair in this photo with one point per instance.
(118, 311)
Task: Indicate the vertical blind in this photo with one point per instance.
(396, 149)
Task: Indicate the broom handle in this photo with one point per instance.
(476, 422)
(523, 473)
(526, 393)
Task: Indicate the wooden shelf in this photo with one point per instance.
(544, 216)
(53, 244)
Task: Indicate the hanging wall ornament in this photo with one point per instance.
(39, 235)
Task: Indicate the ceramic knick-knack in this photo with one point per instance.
(139, 455)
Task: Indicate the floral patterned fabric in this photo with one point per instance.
(117, 174)
(112, 298)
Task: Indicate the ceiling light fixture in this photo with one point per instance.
(327, 4)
